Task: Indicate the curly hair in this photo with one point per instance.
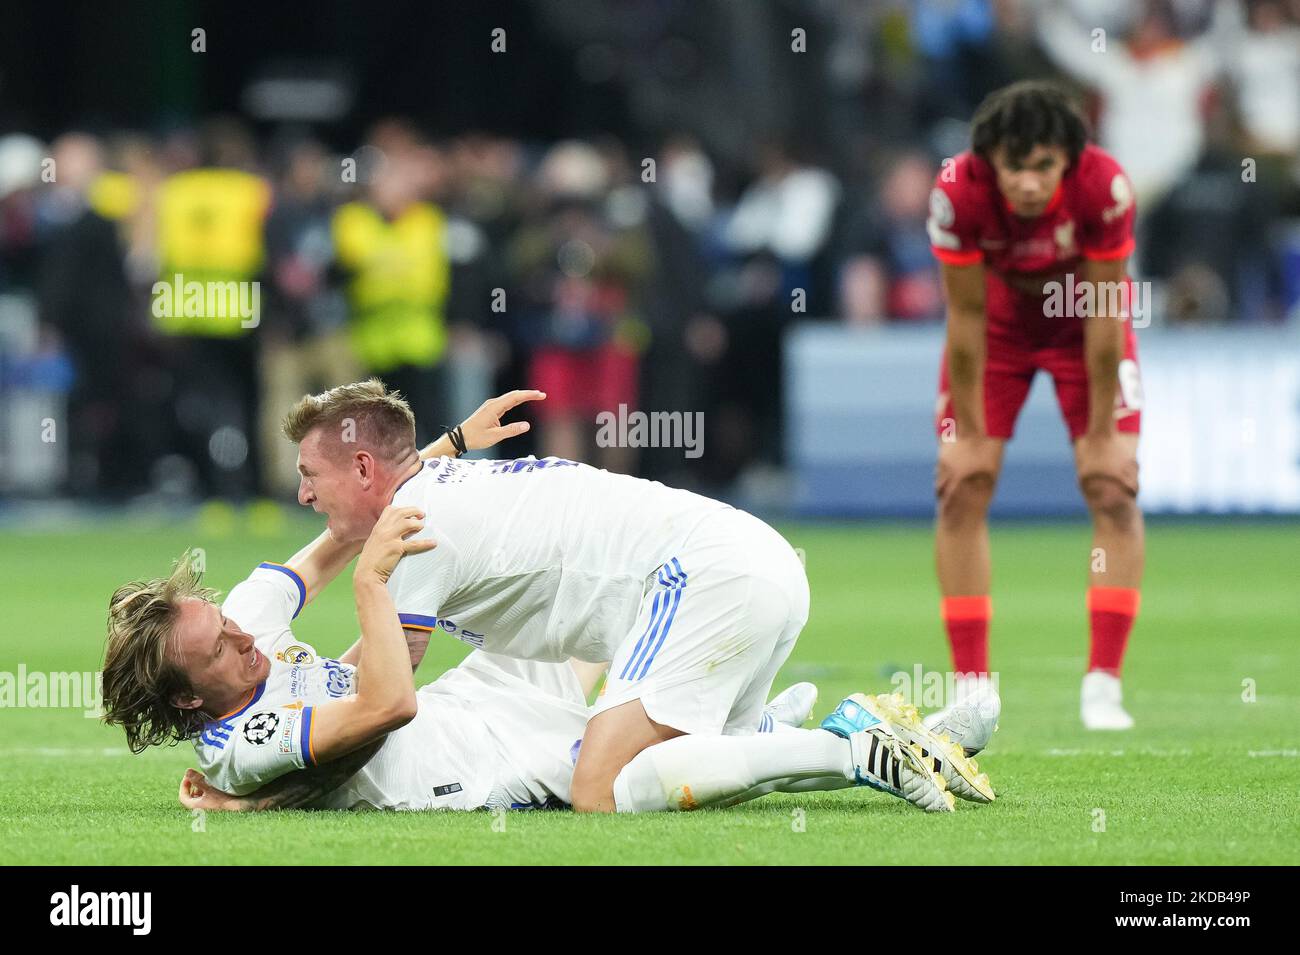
(1028, 114)
(140, 679)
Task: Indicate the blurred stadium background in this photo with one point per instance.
(774, 275)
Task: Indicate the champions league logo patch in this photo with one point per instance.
(260, 728)
(296, 654)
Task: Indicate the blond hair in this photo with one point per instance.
(380, 419)
(140, 679)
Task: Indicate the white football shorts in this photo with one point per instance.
(716, 622)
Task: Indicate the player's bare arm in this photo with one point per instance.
(972, 451)
(321, 561)
(385, 696)
(1102, 451)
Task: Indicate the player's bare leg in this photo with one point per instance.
(612, 740)
(1115, 575)
(962, 554)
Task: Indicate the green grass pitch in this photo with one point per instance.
(1210, 775)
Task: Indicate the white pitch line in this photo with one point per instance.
(1265, 753)
(61, 751)
(1117, 752)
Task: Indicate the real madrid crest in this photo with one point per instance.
(296, 654)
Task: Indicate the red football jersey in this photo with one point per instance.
(1090, 216)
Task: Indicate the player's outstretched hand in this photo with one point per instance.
(197, 793)
(483, 428)
(387, 543)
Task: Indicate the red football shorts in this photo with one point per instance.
(584, 382)
(1009, 370)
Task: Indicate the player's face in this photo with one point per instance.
(219, 658)
(1030, 182)
(331, 487)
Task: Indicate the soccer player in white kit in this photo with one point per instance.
(695, 604)
(493, 732)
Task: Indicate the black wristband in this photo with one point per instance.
(457, 438)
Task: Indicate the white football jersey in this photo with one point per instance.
(445, 758)
(537, 559)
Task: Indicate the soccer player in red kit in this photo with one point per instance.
(1032, 228)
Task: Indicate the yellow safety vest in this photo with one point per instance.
(114, 195)
(398, 277)
(210, 242)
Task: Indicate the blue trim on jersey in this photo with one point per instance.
(678, 586)
(304, 737)
(292, 575)
(217, 732)
(417, 620)
(257, 695)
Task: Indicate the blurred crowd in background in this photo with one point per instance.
(654, 262)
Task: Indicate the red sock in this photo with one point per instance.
(1111, 611)
(967, 621)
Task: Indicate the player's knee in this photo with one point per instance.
(967, 499)
(1109, 500)
(589, 794)
(592, 787)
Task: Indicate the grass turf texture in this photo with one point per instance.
(1205, 778)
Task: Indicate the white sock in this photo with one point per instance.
(770, 724)
(693, 771)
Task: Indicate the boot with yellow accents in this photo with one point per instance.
(959, 771)
(880, 759)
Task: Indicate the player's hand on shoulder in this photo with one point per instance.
(483, 428)
(388, 543)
